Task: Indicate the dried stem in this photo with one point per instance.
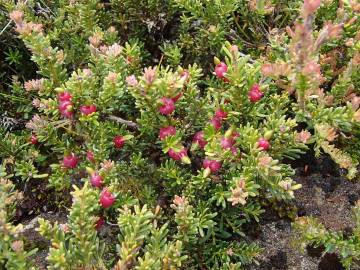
(123, 121)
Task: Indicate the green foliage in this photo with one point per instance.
(113, 77)
(313, 232)
(75, 244)
(12, 253)
(140, 233)
(328, 113)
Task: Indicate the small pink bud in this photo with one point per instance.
(87, 109)
(70, 161)
(96, 180)
(216, 122)
(167, 131)
(199, 139)
(263, 144)
(65, 109)
(255, 88)
(64, 96)
(173, 154)
(213, 165)
(221, 114)
(65, 105)
(33, 139)
(227, 143)
(106, 198)
(178, 155)
(90, 156)
(255, 93)
(99, 223)
(220, 70)
(168, 106)
(119, 141)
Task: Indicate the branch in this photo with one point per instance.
(123, 121)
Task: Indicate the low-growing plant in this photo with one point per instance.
(298, 70)
(12, 251)
(312, 232)
(181, 152)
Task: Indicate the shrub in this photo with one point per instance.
(187, 149)
(347, 247)
(12, 251)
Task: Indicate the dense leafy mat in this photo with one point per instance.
(166, 130)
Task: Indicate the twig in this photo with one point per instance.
(123, 121)
(6, 26)
(112, 224)
(161, 59)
